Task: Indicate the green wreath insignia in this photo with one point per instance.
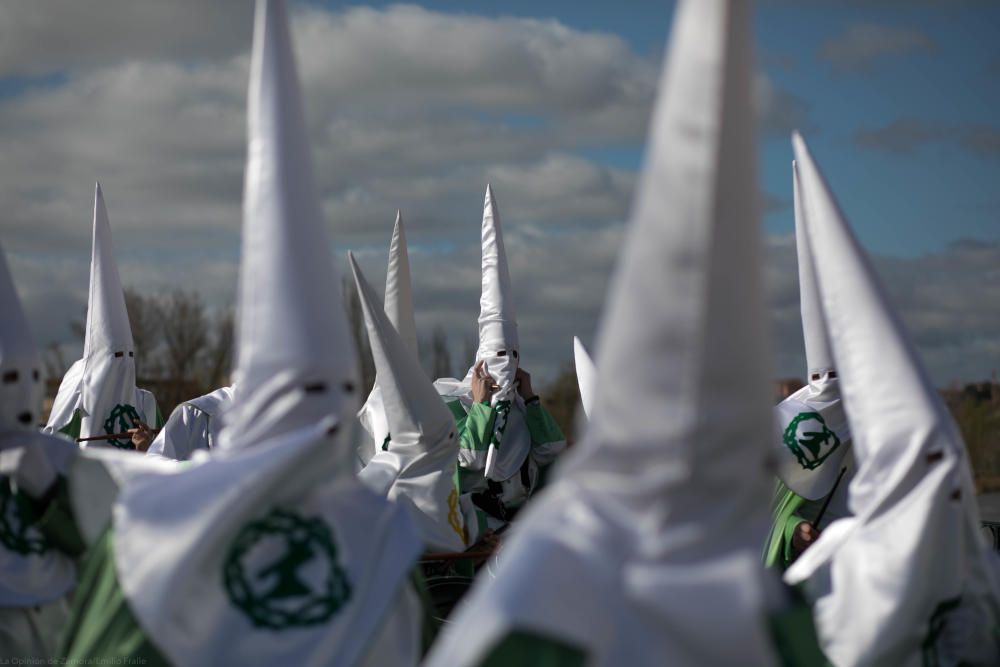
(17, 523)
(809, 449)
(123, 417)
(277, 595)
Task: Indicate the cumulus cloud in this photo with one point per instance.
(861, 45)
(943, 298)
(54, 35)
(905, 135)
(408, 108)
(396, 120)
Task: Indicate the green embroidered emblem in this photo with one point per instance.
(17, 523)
(500, 424)
(123, 417)
(810, 440)
(282, 572)
(929, 649)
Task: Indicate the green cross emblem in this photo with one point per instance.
(123, 417)
(808, 437)
(300, 582)
(17, 523)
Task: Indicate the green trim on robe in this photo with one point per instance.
(526, 648)
(475, 426)
(101, 625)
(778, 549)
(159, 419)
(72, 429)
(793, 634)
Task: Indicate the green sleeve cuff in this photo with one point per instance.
(789, 529)
(778, 549)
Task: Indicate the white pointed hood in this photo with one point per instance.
(269, 551)
(32, 571)
(399, 309)
(586, 375)
(819, 356)
(108, 329)
(907, 495)
(21, 385)
(398, 289)
(418, 465)
(98, 395)
(665, 499)
(292, 338)
(812, 434)
(497, 322)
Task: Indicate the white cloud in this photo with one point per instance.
(863, 44)
(408, 108)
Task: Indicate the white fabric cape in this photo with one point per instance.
(418, 467)
(32, 572)
(645, 550)
(180, 596)
(906, 580)
(193, 425)
(399, 310)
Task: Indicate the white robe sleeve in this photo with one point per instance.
(187, 430)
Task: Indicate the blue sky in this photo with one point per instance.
(902, 204)
(418, 106)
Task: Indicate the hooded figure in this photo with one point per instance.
(399, 309)
(98, 395)
(586, 375)
(193, 425)
(931, 597)
(644, 550)
(266, 550)
(34, 575)
(812, 440)
(503, 445)
(417, 466)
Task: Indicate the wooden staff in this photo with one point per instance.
(826, 503)
(457, 555)
(110, 436)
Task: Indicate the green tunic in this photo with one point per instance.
(792, 633)
(101, 624)
(475, 428)
(785, 517)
